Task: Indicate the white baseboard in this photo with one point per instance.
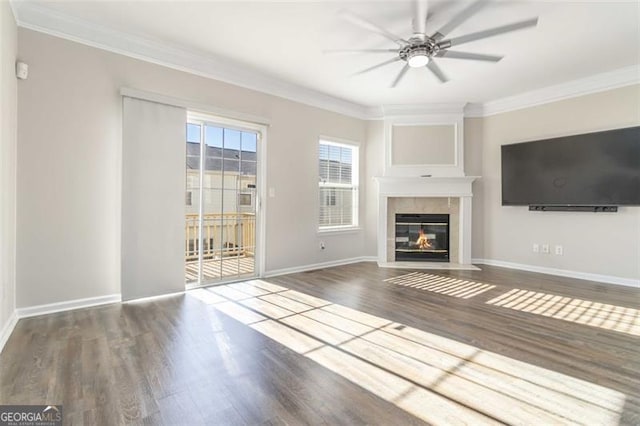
(50, 308)
(442, 266)
(8, 329)
(608, 279)
(304, 268)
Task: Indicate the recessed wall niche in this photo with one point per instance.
(425, 145)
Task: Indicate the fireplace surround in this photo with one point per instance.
(436, 195)
(422, 237)
(423, 172)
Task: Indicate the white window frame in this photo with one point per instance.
(205, 118)
(355, 184)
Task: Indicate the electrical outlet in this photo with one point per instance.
(322, 245)
(536, 248)
(559, 250)
(545, 248)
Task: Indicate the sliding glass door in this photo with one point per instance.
(221, 202)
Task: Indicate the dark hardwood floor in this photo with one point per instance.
(355, 344)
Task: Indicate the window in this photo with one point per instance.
(244, 199)
(338, 185)
(329, 197)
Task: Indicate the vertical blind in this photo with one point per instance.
(338, 188)
(153, 182)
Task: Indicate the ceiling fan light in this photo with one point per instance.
(418, 61)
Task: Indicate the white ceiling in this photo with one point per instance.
(285, 40)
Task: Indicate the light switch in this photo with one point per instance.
(272, 192)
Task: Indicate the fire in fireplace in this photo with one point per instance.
(422, 237)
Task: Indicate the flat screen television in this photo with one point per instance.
(594, 169)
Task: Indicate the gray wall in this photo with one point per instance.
(69, 167)
(473, 154)
(375, 167)
(69, 171)
(606, 244)
(8, 126)
(423, 144)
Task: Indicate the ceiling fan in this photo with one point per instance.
(421, 50)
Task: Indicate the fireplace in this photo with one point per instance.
(422, 237)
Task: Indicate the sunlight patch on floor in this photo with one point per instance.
(436, 379)
(450, 286)
(586, 312)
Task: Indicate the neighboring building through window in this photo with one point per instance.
(244, 199)
(338, 185)
(230, 165)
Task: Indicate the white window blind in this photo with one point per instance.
(338, 185)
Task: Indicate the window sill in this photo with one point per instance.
(339, 230)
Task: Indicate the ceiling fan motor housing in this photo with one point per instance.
(418, 47)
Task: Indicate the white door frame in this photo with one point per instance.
(261, 177)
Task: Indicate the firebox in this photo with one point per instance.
(422, 237)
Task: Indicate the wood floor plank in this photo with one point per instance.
(354, 344)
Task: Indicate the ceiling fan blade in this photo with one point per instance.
(436, 9)
(456, 41)
(371, 26)
(390, 61)
(420, 8)
(435, 69)
(331, 51)
(462, 16)
(401, 74)
(468, 55)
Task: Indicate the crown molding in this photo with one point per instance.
(473, 110)
(39, 18)
(389, 111)
(14, 9)
(571, 89)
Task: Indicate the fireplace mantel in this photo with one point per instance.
(415, 187)
(393, 186)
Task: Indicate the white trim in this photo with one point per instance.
(40, 18)
(443, 266)
(8, 329)
(261, 203)
(314, 266)
(450, 186)
(68, 305)
(193, 107)
(14, 10)
(156, 297)
(391, 111)
(331, 140)
(336, 230)
(452, 169)
(571, 89)
(465, 230)
(354, 185)
(261, 129)
(454, 187)
(608, 279)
